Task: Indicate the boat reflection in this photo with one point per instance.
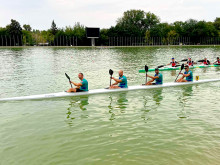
(77, 103)
(151, 101)
(117, 105)
(184, 98)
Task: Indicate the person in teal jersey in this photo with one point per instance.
(158, 78)
(80, 87)
(122, 81)
(187, 74)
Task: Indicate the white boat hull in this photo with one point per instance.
(100, 91)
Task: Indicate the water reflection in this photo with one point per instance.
(75, 104)
(149, 106)
(173, 72)
(120, 107)
(157, 96)
(184, 98)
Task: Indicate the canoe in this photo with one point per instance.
(102, 91)
(178, 68)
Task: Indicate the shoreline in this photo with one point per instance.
(106, 47)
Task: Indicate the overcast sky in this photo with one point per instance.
(101, 13)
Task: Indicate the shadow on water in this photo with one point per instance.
(184, 98)
(117, 105)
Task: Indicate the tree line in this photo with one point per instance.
(134, 25)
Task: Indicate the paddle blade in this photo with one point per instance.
(111, 72)
(184, 60)
(67, 76)
(146, 68)
(182, 66)
(160, 66)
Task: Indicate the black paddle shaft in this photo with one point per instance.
(182, 66)
(69, 80)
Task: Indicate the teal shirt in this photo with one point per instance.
(123, 84)
(160, 79)
(190, 77)
(84, 86)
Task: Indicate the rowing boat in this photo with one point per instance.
(178, 68)
(102, 91)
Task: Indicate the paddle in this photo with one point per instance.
(204, 60)
(69, 80)
(160, 66)
(182, 66)
(111, 73)
(184, 60)
(146, 70)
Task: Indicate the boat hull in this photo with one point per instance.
(102, 91)
(178, 68)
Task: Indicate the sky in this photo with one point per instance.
(101, 13)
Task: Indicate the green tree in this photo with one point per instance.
(27, 38)
(14, 28)
(136, 22)
(27, 27)
(151, 20)
(172, 36)
(217, 23)
(53, 28)
(160, 30)
(103, 40)
(14, 31)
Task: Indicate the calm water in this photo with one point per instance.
(178, 125)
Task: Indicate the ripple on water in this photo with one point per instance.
(162, 126)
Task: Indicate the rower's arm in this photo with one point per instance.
(186, 75)
(153, 77)
(76, 84)
(116, 80)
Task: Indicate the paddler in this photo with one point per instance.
(80, 87)
(205, 62)
(173, 63)
(188, 74)
(122, 80)
(190, 62)
(217, 62)
(158, 77)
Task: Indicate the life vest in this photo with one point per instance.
(205, 62)
(173, 64)
(190, 63)
(218, 61)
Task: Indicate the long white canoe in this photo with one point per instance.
(100, 91)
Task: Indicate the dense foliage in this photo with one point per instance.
(133, 23)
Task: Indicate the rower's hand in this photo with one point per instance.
(181, 73)
(113, 78)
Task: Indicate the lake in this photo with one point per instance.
(178, 125)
